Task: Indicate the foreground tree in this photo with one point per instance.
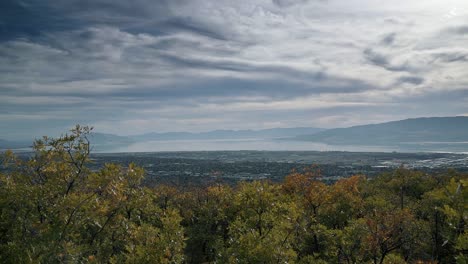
(55, 209)
(263, 229)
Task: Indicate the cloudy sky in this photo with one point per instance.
(129, 67)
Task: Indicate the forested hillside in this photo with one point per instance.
(55, 209)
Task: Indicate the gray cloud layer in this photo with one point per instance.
(137, 66)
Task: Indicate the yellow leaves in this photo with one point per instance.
(317, 194)
(218, 191)
(449, 211)
(148, 244)
(261, 232)
(8, 158)
(453, 199)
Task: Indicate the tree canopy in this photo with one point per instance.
(55, 209)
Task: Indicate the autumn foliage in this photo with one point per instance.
(55, 209)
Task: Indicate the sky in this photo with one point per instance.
(131, 67)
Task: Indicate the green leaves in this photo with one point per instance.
(263, 229)
(55, 209)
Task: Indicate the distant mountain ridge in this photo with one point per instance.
(415, 130)
(231, 134)
(103, 141)
(6, 144)
(428, 131)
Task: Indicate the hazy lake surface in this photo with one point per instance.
(281, 145)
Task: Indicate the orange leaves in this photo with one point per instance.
(306, 186)
(349, 185)
(317, 194)
(296, 183)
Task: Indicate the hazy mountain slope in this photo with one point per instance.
(433, 129)
(99, 141)
(6, 144)
(103, 138)
(103, 141)
(231, 134)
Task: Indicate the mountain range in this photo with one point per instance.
(231, 134)
(7, 144)
(107, 141)
(416, 130)
(409, 131)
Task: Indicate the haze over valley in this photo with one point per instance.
(436, 134)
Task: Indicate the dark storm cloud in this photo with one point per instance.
(20, 19)
(30, 18)
(115, 10)
(142, 16)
